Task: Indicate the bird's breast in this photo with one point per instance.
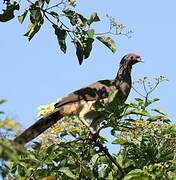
(125, 88)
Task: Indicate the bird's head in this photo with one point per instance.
(130, 59)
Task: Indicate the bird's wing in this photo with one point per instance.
(93, 92)
(98, 90)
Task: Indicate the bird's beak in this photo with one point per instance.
(140, 59)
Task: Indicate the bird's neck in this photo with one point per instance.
(124, 74)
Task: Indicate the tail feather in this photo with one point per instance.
(37, 128)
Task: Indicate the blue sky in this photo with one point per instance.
(37, 72)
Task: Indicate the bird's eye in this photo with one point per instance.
(131, 58)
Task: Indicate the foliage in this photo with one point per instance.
(8, 126)
(8, 129)
(66, 23)
(142, 132)
(68, 150)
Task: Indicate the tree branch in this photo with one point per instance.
(102, 148)
(106, 152)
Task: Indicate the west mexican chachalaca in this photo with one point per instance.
(81, 102)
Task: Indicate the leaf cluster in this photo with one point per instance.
(67, 24)
(68, 150)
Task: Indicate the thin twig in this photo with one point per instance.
(48, 18)
(153, 88)
(145, 88)
(67, 29)
(106, 152)
(54, 6)
(138, 92)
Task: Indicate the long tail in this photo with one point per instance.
(37, 128)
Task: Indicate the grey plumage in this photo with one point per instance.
(81, 102)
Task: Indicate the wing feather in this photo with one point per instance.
(93, 92)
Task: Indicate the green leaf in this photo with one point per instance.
(35, 23)
(152, 101)
(8, 13)
(79, 51)
(139, 100)
(50, 149)
(21, 170)
(9, 124)
(40, 3)
(83, 48)
(61, 36)
(93, 18)
(94, 159)
(110, 176)
(68, 12)
(67, 172)
(33, 27)
(112, 96)
(72, 16)
(91, 33)
(49, 178)
(107, 41)
(87, 47)
(120, 140)
(54, 14)
(158, 118)
(82, 18)
(140, 112)
(159, 111)
(136, 174)
(2, 101)
(36, 13)
(99, 106)
(22, 17)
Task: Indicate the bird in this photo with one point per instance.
(81, 102)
